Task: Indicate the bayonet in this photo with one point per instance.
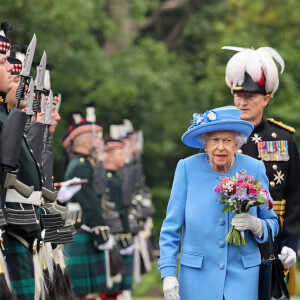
(40, 73)
(26, 70)
(39, 88)
(29, 57)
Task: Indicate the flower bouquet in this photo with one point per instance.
(240, 193)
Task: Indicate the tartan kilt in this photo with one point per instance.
(85, 264)
(19, 262)
(126, 283)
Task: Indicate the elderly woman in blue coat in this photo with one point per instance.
(209, 267)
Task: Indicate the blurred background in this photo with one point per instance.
(155, 62)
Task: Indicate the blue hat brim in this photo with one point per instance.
(190, 137)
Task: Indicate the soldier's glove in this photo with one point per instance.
(128, 251)
(108, 245)
(67, 191)
(287, 256)
(245, 221)
(171, 288)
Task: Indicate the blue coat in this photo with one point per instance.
(209, 267)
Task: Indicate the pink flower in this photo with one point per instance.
(253, 192)
(243, 184)
(270, 204)
(218, 189)
(252, 187)
(240, 182)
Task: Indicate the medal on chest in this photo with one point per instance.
(273, 150)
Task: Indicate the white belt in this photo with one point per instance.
(14, 197)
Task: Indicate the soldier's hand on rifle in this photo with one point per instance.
(67, 191)
(287, 256)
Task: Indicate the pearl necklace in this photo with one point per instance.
(214, 166)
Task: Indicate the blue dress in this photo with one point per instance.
(209, 267)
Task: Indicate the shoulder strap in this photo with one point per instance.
(272, 255)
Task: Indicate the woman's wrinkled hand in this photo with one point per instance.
(171, 288)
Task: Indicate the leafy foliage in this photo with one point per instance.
(156, 74)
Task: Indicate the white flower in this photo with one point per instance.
(212, 116)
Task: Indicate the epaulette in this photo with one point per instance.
(289, 128)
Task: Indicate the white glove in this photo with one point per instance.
(108, 245)
(67, 191)
(287, 256)
(128, 251)
(245, 221)
(171, 288)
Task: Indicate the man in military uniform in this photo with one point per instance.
(20, 237)
(252, 76)
(86, 263)
(114, 160)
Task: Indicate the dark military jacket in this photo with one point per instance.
(283, 170)
(80, 166)
(29, 174)
(114, 194)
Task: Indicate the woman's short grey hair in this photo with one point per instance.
(240, 139)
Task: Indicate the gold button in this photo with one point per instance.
(107, 190)
(240, 151)
(38, 165)
(274, 135)
(109, 175)
(272, 183)
(25, 136)
(274, 167)
(78, 220)
(31, 151)
(37, 222)
(81, 159)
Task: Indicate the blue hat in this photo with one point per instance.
(222, 118)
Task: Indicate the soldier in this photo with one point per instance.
(252, 76)
(114, 160)
(86, 263)
(23, 230)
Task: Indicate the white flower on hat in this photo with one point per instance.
(212, 116)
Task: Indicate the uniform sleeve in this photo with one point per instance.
(265, 214)
(88, 200)
(292, 192)
(175, 219)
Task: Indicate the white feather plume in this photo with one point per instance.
(114, 132)
(253, 62)
(77, 117)
(128, 125)
(21, 56)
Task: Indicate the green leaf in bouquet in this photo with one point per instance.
(227, 208)
(235, 237)
(261, 199)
